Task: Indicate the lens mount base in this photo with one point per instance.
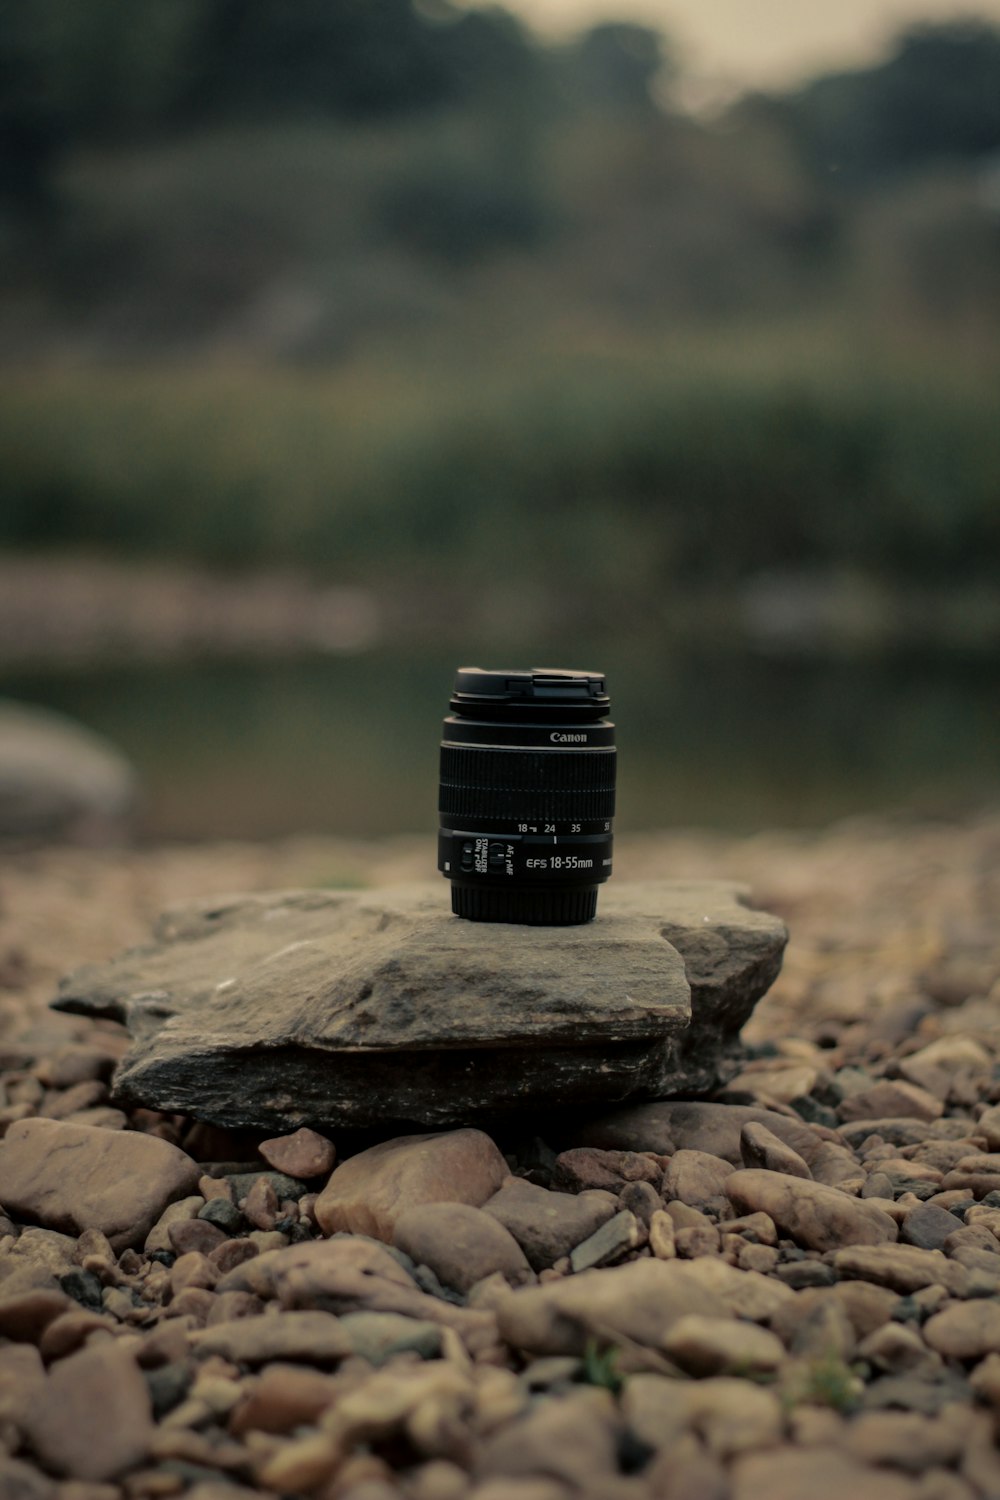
(536, 907)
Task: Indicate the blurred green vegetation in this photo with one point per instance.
(593, 476)
(391, 290)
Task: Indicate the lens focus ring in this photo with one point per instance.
(517, 783)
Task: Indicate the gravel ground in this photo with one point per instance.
(792, 1289)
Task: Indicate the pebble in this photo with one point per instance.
(24, 1318)
(546, 1224)
(281, 1398)
(609, 1243)
(718, 1346)
(892, 1097)
(928, 1227)
(92, 1419)
(303, 1337)
(760, 1147)
(821, 1473)
(589, 1167)
(573, 1439)
(461, 1244)
(304, 1154)
(694, 1126)
(75, 1177)
(905, 1268)
(731, 1416)
(223, 1214)
(812, 1214)
(158, 1238)
(966, 1330)
(378, 1336)
(662, 1236)
(367, 1193)
(697, 1178)
(904, 1439)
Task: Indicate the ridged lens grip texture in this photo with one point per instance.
(522, 784)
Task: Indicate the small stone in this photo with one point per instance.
(928, 1227)
(24, 1318)
(461, 1244)
(966, 1330)
(216, 1187)
(892, 1097)
(260, 1206)
(574, 1439)
(301, 1465)
(547, 1225)
(697, 1240)
(686, 1471)
(812, 1214)
(878, 1185)
(720, 1346)
(158, 1238)
(223, 1214)
(22, 1481)
(696, 1126)
(732, 1416)
(74, 1177)
(820, 1473)
(192, 1270)
(895, 1349)
(905, 1268)
(661, 1236)
(186, 1235)
(641, 1199)
(92, 1419)
(609, 1243)
(243, 1183)
(303, 1337)
(984, 1381)
(904, 1439)
(760, 1147)
(22, 1375)
(697, 1178)
(589, 1167)
(304, 1154)
(282, 1398)
(936, 1064)
(380, 1336)
(988, 1125)
(367, 1193)
(230, 1255)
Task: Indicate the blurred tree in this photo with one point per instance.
(616, 66)
(936, 98)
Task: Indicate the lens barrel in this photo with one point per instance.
(527, 795)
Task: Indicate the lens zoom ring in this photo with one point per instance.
(554, 784)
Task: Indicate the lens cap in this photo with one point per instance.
(539, 687)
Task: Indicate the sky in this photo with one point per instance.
(737, 44)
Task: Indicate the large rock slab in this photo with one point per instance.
(335, 1008)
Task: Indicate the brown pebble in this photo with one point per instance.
(194, 1234)
(261, 1205)
(283, 1397)
(194, 1302)
(192, 1269)
(24, 1318)
(70, 1331)
(228, 1305)
(304, 1154)
(216, 1187)
(232, 1253)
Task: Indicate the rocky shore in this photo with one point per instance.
(789, 1289)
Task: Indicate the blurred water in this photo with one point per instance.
(349, 745)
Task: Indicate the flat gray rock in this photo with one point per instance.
(344, 1008)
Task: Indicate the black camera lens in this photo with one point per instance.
(527, 795)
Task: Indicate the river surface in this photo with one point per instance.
(726, 740)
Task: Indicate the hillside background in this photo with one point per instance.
(497, 340)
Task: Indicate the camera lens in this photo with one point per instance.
(527, 795)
